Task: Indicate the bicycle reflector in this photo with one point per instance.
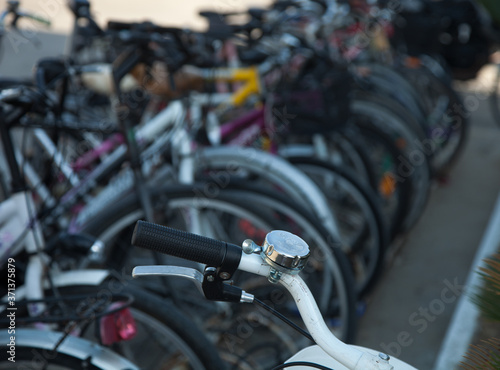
(387, 184)
(118, 326)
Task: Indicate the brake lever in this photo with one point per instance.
(209, 284)
(177, 271)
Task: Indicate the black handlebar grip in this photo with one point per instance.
(182, 244)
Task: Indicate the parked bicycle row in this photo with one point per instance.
(308, 118)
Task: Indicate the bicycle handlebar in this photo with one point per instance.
(185, 245)
(205, 250)
(18, 14)
(36, 17)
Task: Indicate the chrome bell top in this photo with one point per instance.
(285, 251)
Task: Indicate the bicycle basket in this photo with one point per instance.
(315, 101)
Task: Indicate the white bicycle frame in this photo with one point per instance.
(19, 230)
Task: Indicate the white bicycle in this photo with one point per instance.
(281, 257)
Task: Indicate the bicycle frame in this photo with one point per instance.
(18, 226)
(19, 230)
(250, 126)
(15, 220)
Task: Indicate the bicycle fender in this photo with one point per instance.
(316, 355)
(43, 341)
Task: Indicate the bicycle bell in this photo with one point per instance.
(285, 252)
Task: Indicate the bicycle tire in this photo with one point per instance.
(413, 160)
(392, 84)
(408, 126)
(344, 191)
(448, 126)
(273, 170)
(396, 205)
(363, 139)
(340, 151)
(367, 126)
(411, 170)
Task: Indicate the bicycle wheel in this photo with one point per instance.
(165, 338)
(447, 123)
(217, 164)
(364, 235)
(409, 168)
(380, 154)
(33, 351)
(235, 213)
(335, 149)
(391, 84)
(387, 151)
(405, 126)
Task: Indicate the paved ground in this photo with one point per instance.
(409, 311)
